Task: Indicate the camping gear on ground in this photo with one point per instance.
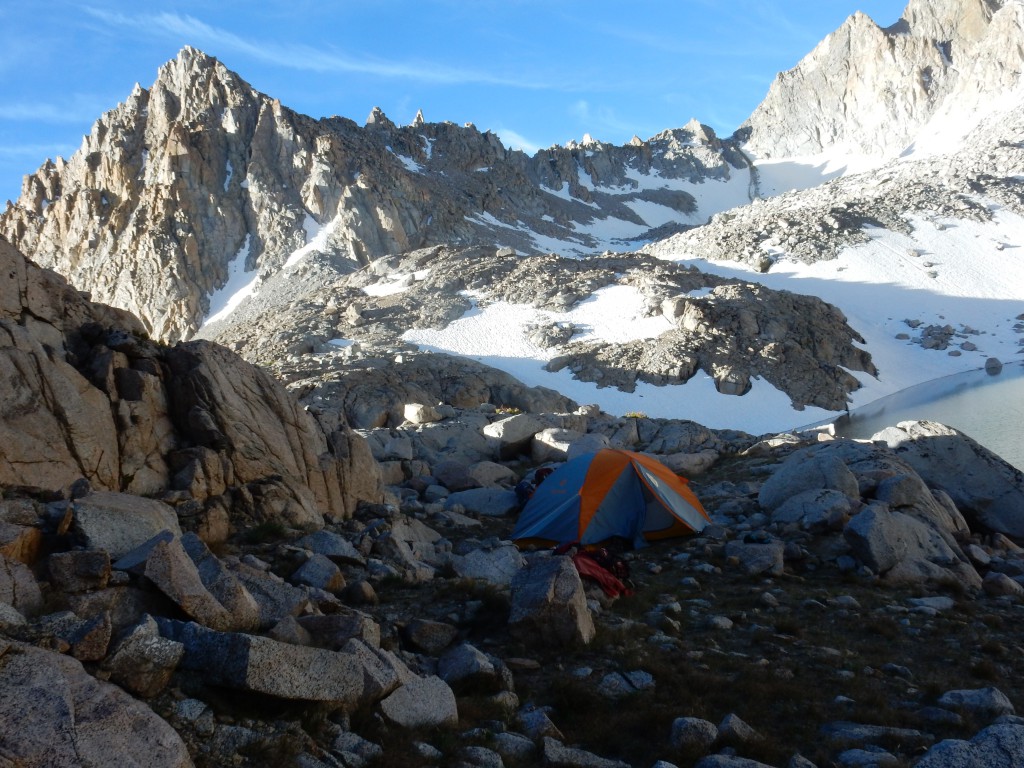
(595, 566)
(606, 494)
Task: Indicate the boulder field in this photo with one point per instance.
(199, 567)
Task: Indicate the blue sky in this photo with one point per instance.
(537, 73)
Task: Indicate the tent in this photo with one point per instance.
(610, 493)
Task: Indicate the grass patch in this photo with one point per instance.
(265, 532)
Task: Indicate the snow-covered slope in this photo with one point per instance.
(963, 274)
(929, 270)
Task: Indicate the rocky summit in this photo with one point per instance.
(276, 530)
(200, 169)
(879, 90)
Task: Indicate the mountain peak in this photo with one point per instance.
(378, 119)
(870, 90)
(189, 59)
(191, 73)
(948, 20)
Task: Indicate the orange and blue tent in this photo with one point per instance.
(606, 494)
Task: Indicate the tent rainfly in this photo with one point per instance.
(610, 493)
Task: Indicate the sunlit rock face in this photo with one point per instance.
(871, 90)
(201, 170)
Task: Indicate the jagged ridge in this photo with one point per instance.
(176, 182)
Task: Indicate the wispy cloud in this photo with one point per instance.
(304, 57)
(37, 152)
(598, 119)
(84, 110)
(715, 36)
(515, 140)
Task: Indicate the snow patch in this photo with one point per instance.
(395, 283)
(410, 165)
(786, 174)
(495, 334)
(240, 285)
(317, 236)
(946, 130)
(563, 193)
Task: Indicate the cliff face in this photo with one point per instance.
(870, 90)
(181, 179)
(87, 397)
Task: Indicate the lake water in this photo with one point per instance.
(987, 407)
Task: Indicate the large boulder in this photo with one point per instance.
(120, 522)
(143, 661)
(998, 746)
(222, 584)
(229, 406)
(815, 510)
(497, 565)
(490, 502)
(170, 569)
(894, 523)
(757, 557)
(467, 670)
(418, 413)
(807, 470)
(332, 545)
(20, 536)
(557, 754)
(87, 396)
(981, 703)
(549, 604)
(983, 486)
(552, 444)
(57, 426)
(513, 434)
(906, 550)
(79, 570)
(262, 665)
(275, 598)
(55, 713)
(422, 703)
(19, 588)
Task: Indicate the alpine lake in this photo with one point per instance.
(985, 404)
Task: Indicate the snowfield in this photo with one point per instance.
(962, 273)
(966, 274)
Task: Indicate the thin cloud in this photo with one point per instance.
(602, 120)
(80, 111)
(515, 140)
(719, 40)
(580, 109)
(20, 151)
(303, 57)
